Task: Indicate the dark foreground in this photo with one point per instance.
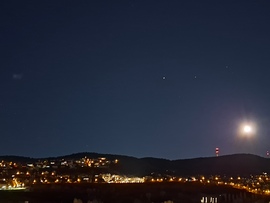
(134, 193)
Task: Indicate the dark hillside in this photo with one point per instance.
(238, 164)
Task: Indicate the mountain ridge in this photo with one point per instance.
(234, 164)
(95, 154)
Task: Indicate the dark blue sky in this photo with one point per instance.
(170, 79)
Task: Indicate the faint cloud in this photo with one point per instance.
(17, 76)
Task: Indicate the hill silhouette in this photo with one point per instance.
(237, 164)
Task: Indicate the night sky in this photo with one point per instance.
(168, 79)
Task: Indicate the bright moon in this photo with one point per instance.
(247, 129)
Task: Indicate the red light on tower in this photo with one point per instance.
(217, 151)
(267, 154)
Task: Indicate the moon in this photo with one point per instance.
(247, 129)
